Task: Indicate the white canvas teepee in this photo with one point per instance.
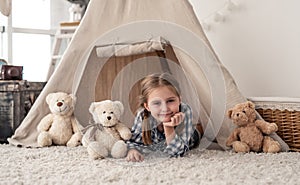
(118, 42)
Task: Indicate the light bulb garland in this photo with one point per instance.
(219, 15)
(230, 5)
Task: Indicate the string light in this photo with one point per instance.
(231, 5)
(219, 15)
(205, 25)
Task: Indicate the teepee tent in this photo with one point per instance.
(117, 43)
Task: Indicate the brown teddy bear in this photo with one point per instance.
(251, 134)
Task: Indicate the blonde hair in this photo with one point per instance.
(148, 84)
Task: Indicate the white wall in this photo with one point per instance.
(59, 12)
(258, 42)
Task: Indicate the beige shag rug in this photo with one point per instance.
(63, 165)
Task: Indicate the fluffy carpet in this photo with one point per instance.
(63, 165)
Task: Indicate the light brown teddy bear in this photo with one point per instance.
(251, 134)
(106, 137)
(59, 127)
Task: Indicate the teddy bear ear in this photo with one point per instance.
(250, 104)
(120, 106)
(92, 107)
(229, 113)
(49, 97)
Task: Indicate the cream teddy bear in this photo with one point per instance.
(251, 134)
(60, 127)
(106, 137)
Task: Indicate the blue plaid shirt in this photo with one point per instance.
(177, 147)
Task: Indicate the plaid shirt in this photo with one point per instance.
(177, 147)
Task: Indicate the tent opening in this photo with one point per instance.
(118, 76)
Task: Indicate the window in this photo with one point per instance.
(33, 24)
(3, 37)
(31, 50)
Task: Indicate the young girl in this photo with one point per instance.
(163, 120)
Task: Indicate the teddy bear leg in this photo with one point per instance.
(239, 146)
(119, 149)
(75, 140)
(85, 140)
(270, 145)
(44, 139)
(97, 151)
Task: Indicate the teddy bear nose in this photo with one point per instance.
(59, 104)
(108, 117)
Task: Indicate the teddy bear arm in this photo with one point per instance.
(45, 123)
(76, 126)
(88, 137)
(266, 127)
(124, 131)
(234, 136)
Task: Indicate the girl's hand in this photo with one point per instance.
(175, 120)
(169, 126)
(134, 156)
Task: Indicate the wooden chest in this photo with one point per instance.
(16, 99)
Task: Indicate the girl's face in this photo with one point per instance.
(163, 104)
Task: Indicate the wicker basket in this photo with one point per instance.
(285, 112)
